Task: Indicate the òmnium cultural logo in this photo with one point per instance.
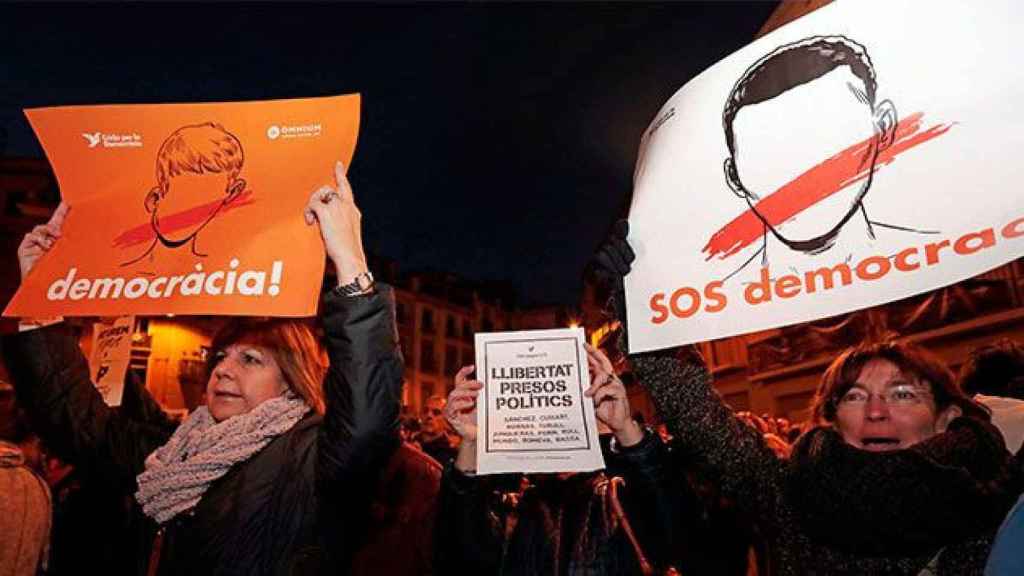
(283, 132)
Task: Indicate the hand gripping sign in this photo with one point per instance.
(856, 156)
(187, 208)
(532, 415)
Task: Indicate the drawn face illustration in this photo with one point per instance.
(197, 171)
(811, 123)
(804, 129)
(202, 193)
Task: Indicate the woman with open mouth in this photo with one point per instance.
(899, 473)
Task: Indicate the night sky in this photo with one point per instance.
(497, 141)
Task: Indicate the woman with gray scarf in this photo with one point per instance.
(265, 478)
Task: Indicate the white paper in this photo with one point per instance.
(875, 155)
(531, 414)
(111, 354)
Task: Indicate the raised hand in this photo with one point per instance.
(610, 265)
(334, 208)
(41, 239)
(461, 414)
(611, 403)
(461, 409)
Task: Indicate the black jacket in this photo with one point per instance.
(399, 538)
(831, 509)
(294, 507)
(561, 526)
(94, 520)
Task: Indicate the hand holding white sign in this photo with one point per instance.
(611, 403)
(461, 414)
(532, 415)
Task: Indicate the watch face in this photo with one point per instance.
(364, 281)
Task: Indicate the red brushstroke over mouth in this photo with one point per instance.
(180, 220)
(814, 185)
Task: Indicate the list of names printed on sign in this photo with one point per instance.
(532, 413)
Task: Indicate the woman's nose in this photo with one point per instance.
(225, 368)
(878, 408)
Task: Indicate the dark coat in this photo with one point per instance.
(94, 519)
(294, 507)
(561, 526)
(399, 539)
(789, 500)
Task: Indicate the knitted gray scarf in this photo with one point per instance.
(201, 450)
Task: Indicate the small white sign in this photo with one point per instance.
(532, 414)
(111, 354)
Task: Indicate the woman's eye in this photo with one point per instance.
(904, 394)
(250, 358)
(854, 397)
(219, 356)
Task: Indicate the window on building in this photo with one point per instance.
(451, 329)
(727, 353)
(428, 320)
(426, 390)
(407, 356)
(796, 407)
(738, 401)
(467, 331)
(451, 360)
(400, 313)
(428, 358)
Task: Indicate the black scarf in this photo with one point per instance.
(955, 485)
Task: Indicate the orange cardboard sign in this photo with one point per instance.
(188, 208)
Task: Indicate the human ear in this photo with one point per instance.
(947, 416)
(732, 178)
(152, 199)
(885, 124)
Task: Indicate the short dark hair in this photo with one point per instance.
(996, 370)
(795, 64)
(842, 374)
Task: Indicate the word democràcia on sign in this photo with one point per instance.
(197, 283)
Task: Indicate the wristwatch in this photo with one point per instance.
(362, 284)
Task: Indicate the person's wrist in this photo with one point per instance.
(348, 272)
(630, 434)
(465, 459)
(355, 284)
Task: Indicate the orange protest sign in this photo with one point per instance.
(188, 208)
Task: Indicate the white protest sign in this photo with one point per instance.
(111, 354)
(861, 154)
(531, 414)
